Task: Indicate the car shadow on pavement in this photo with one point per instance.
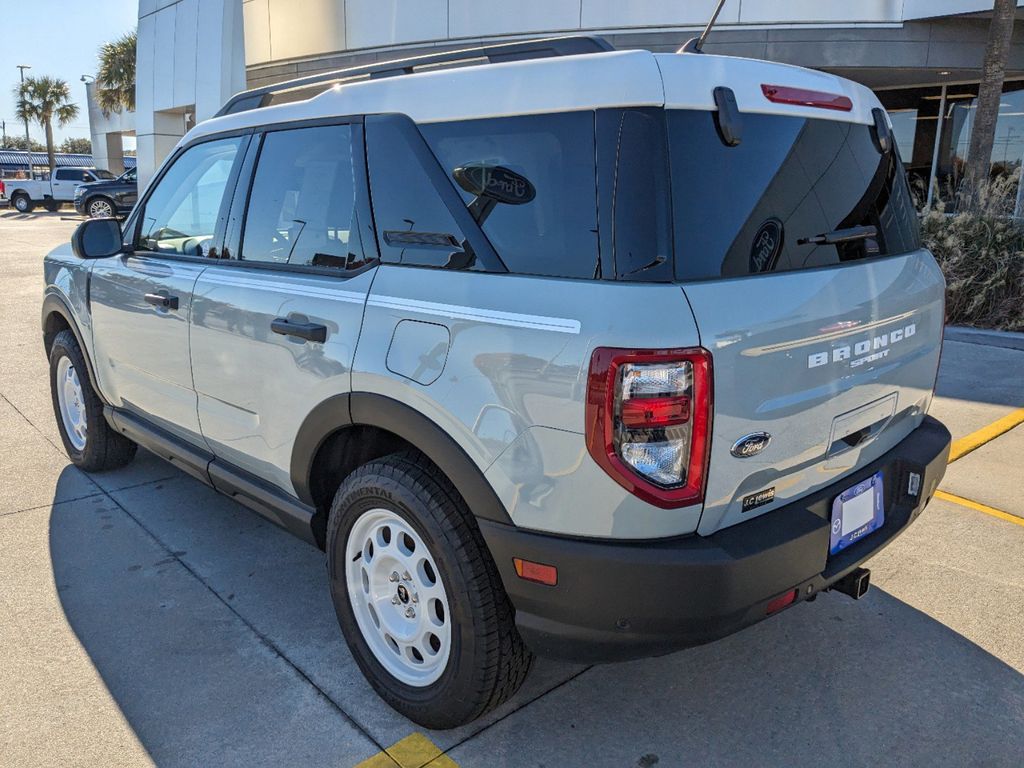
(39, 214)
(213, 632)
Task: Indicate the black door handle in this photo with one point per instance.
(307, 331)
(162, 300)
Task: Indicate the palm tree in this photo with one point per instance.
(115, 81)
(44, 100)
(979, 155)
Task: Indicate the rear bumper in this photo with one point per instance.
(623, 600)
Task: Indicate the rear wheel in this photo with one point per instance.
(22, 203)
(89, 441)
(100, 208)
(418, 597)
(51, 205)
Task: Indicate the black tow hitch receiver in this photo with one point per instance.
(855, 583)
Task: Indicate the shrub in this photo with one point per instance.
(981, 252)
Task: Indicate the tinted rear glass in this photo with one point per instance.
(744, 210)
(542, 167)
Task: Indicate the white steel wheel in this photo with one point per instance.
(101, 209)
(71, 401)
(398, 598)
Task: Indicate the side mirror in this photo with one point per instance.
(97, 239)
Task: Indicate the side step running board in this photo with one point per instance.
(258, 495)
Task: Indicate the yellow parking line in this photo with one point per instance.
(979, 507)
(414, 751)
(975, 440)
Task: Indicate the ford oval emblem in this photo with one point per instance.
(750, 445)
(764, 252)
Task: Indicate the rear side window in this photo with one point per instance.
(302, 206)
(530, 184)
(414, 224)
(747, 209)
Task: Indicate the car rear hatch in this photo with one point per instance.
(797, 247)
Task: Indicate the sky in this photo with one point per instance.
(60, 38)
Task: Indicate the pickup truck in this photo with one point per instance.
(51, 193)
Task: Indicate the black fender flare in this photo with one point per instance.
(54, 304)
(369, 409)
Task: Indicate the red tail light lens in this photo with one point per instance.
(651, 412)
(649, 421)
(783, 94)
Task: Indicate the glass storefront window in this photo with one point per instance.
(915, 116)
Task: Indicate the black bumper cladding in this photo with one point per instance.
(624, 600)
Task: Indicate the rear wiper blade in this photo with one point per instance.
(847, 235)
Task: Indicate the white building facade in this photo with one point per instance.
(923, 57)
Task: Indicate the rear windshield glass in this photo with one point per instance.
(760, 206)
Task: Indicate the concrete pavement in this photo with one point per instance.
(146, 620)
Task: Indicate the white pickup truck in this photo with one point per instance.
(52, 192)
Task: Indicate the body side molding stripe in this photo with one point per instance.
(492, 316)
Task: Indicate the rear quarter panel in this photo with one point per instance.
(512, 385)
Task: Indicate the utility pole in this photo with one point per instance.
(28, 142)
(3, 126)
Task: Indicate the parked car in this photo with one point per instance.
(52, 192)
(594, 356)
(113, 197)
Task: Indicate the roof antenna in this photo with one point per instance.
(694, 44)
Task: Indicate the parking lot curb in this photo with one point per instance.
(991, 338)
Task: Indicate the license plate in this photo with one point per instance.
(856, 512)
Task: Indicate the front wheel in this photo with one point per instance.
(418, 596)
(100, 208)
(88, 440)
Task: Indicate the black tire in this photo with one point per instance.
(51, 205)
(22, 203)
(100, 202)
(104, 448)
(488, 660)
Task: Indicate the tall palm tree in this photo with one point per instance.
(115, 81)
(45, 100)
(979, 155)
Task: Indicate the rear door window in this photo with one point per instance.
(530, 183)
(303, 203)
(757, 207)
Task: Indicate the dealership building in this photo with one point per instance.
(922, 57)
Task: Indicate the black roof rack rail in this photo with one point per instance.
(538, 48)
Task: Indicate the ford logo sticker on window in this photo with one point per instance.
(767, 245)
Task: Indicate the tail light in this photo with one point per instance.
(649, 421)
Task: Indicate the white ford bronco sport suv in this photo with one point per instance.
(587, 353)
